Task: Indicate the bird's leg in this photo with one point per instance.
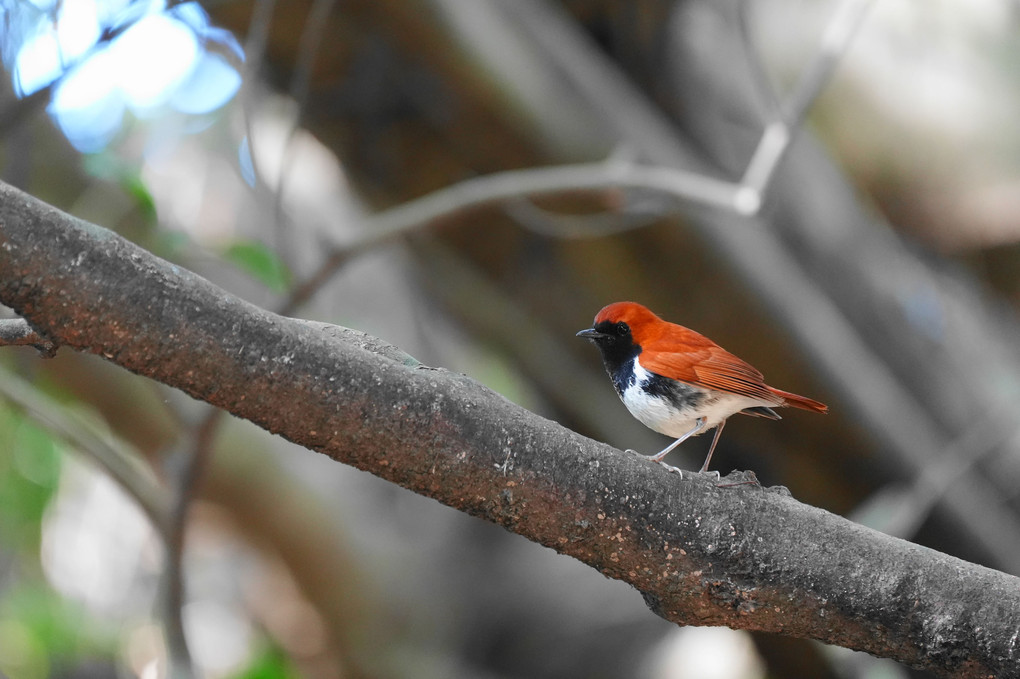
(658, 457)
(650, 457)
(698, 425)
(711, 449)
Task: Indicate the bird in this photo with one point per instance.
(677, 381)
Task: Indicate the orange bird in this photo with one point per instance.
(678, 382)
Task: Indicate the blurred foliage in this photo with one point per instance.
(260, 262)
(109, 167)
(271, 663)
(33, 629)
(43, 634)
(29, 475)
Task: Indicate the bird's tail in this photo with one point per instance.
(800, 401)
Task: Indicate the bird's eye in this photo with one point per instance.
(622, 329)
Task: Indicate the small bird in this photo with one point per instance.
(677, 381)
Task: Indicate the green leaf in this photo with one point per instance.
(136, 188)
(270, 664)
(109, 167)
(261, 263)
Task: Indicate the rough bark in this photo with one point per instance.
(745, 557)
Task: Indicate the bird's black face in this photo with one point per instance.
(616, 343)
(607, 333)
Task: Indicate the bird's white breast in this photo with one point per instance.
(676, 419)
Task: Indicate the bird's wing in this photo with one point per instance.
(697, 360)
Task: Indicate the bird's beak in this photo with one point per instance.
(590, 333)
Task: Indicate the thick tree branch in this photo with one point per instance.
(699, 554)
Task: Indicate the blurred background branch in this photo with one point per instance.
(112, 456)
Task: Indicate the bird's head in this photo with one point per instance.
(620, 325)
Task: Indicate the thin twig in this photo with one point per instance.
(196, 457)
(254, 50)
(419, 213)
(306, 289)
(686, 186)
(103, 448)
(765, 91)
(16, 332)
(316, 23)
(597, 225)
(779, 132)
(839, 33)
(956, 461)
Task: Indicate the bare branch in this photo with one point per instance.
(111, 455)
(195, 454)
(255, 50)
(565, 226)
(765, 92)
(614, 173)
(835, 42)
(315, 25)
(905, 510)
(17, 332)
(744, 557)
(778, 133)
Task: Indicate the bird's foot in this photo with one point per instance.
(651, 458)
(749, 479)
(670, 468)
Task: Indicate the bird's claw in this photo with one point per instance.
(671, 469)
(750, 479)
